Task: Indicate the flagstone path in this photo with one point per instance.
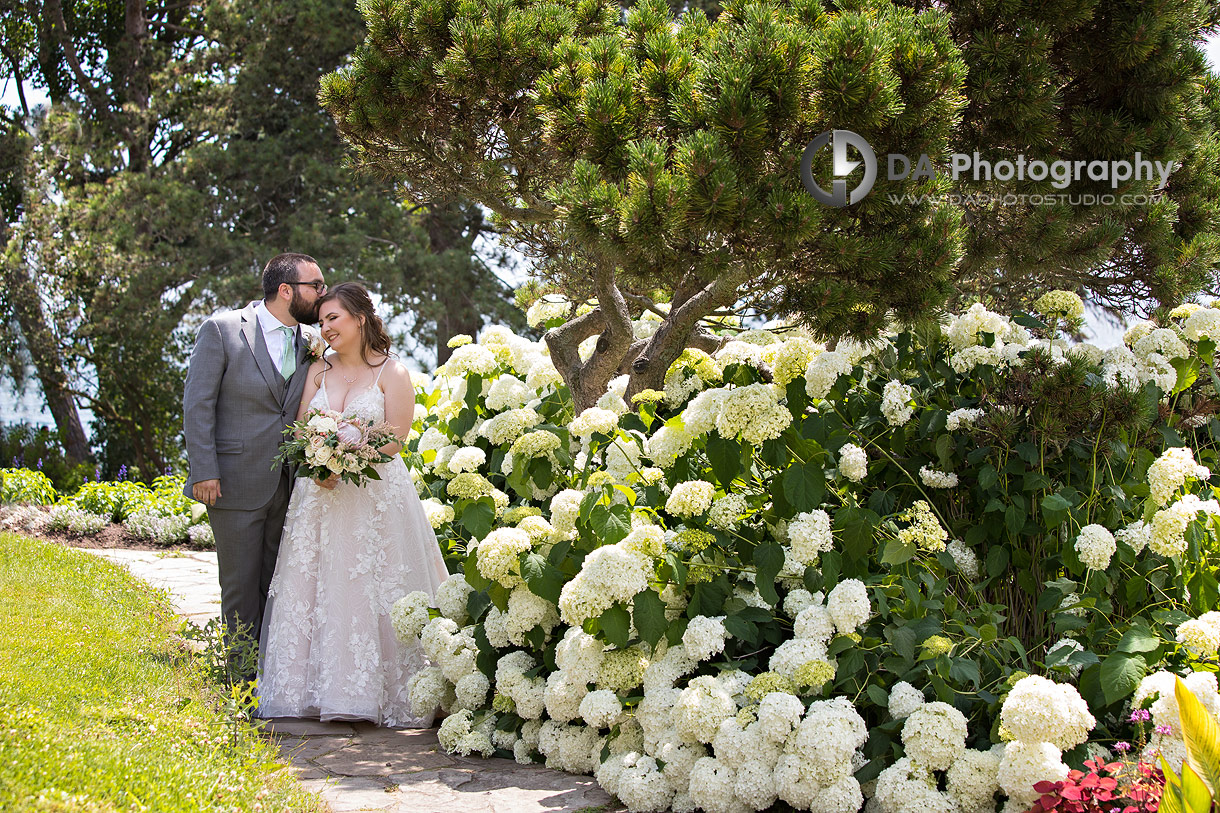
(357, 767)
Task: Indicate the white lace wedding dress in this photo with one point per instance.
(347, 554)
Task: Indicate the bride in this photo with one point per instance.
(348, 552)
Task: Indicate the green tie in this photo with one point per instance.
(288, 363)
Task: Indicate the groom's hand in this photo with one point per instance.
(206, 491)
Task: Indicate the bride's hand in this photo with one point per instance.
(329, 483)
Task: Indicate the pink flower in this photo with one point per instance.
(350, 434)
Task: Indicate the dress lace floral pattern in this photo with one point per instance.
(346, 555)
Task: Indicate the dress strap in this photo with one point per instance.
(380, 370)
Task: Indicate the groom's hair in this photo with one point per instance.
(280, 269)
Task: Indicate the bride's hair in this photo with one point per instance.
(354, 298)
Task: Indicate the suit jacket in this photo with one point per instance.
(235, 407)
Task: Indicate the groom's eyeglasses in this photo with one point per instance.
(319, 287)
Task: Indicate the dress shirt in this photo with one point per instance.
(272, 335)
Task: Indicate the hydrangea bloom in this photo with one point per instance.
(1060, 303)
(925, 531)
(809, 534)
(612, 573)
(1170, 471)
(934, 735)
(933, 478)
(896, 403)
(1201, 635)
(1025, 764)
(1203, 323)
(853, 462)
(498, 552)
(700, 709)
(1039, 710)
(962, 417)
(848, 605)
(823, 371)
(690, 498)
(1095, 545)
(704, 637)
(904, 700)
(754, 413)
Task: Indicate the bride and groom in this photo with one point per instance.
(312, 570)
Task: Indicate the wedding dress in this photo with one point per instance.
(347, 554)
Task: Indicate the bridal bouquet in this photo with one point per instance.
(327, 443)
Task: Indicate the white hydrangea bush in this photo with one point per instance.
(915, 574)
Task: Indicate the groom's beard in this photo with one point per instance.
(304, 312)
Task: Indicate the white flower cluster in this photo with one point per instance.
(74, 520)
(704, 637)
(546, 309)
(668, 443)
(790, 358)
(933, 478)
(1167, 535)
(1095, 545)
(409, 616)
(967, 329)
(853, 462)
(1170, 472)
(201, 535)
(753, 412)
(152, 525)
(1156, 693)
(824, 370)
(1201, 635)
(1045, 718)
(508, 392)
(962, 417)
(690, 498)
(1203, 323)
(438, 513)
(964, 558)
(611, 573)
(896, 403)
(594, 421)
(727, 511)
(497, 555)
(809, 534)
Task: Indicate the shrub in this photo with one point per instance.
(74, 520)
(860, 531)
(25, 486)
(37, 447)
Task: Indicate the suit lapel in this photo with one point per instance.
(258, 346)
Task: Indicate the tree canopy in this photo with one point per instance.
(132, 213)
(642, 154)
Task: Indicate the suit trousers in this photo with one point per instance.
(247, 543)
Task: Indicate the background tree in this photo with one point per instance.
(147, 209)
(627, 153)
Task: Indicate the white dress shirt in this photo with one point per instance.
(270, 324)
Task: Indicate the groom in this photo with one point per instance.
(243, 388)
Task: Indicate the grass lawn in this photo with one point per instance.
(101, 711)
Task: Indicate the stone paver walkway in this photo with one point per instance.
(357, 767)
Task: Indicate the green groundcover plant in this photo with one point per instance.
(159, 512)
(923, 574)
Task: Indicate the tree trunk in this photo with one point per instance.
(27, 307)
(445, 224)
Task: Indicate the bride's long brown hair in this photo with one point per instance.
(374, 340)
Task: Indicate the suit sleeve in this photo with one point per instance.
(199, 397)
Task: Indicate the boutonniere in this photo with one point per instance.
(315, 345)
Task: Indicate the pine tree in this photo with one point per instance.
(631, 151)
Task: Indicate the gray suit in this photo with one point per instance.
(235, 408)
